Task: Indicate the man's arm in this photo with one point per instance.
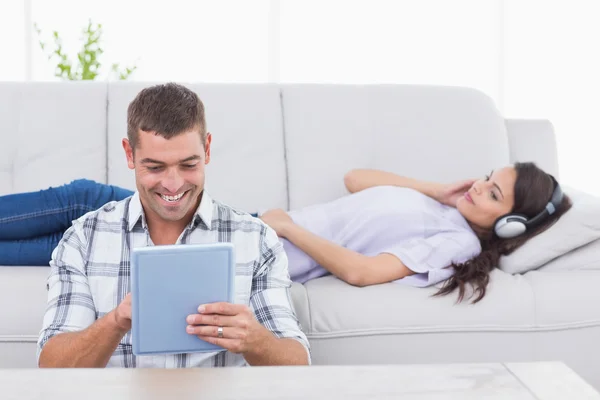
(267, 332)
(90, 348)
(272, 306)
(279, 351)
(243, 334)
(71, 336)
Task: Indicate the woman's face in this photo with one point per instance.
(489, 198)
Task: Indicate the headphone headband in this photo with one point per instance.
(552, 206)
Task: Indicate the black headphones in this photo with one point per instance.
(512, 225)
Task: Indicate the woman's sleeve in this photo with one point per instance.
(430, 257)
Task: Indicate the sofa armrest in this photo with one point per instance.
(533, 140)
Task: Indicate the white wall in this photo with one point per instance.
(536, 58)
(552, 70)
(12, 40)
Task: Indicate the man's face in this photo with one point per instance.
(169, 173)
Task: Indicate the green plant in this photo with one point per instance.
(88, 62)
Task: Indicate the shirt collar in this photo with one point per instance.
(203, 212)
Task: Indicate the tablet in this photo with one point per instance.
(168, 283)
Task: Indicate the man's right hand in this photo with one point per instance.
(123, 314)
(73, 349)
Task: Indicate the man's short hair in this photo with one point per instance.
(167, 110)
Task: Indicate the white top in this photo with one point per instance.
(425, 234)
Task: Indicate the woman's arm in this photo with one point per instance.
(360, 179)
(350, 266)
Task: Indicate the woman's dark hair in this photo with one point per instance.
(533, 190)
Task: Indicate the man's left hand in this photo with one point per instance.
(231, 326)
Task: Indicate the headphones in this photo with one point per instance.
(512, 225)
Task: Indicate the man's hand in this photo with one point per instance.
(450, 193)
(241, 332)
(123, 314)
(277, 219)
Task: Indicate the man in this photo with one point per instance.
(88, 319)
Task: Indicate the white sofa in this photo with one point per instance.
(289, 146)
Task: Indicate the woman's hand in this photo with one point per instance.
(449, 194)
(277, 219)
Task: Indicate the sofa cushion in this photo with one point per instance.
(584, 257)
(425, 132)
(341, 310)
(535, 316)
(577, 227)
(23, 299)
(52, 133)
(247, 168)
(564, 299)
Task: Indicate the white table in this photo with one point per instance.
(459, 381)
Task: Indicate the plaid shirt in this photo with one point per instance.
(90, 275)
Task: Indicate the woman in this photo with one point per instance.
(393, 228)
(390, 228)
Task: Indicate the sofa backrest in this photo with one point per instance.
(273, 145)
(426, 132)
(51, 134)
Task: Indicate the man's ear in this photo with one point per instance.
(128, 153)
(207, 147)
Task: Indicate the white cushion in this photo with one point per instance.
(577, 227)
(335, 307)
(25, 287)
(53, 133)
(584, 257)
(425, 132)
(247, 168)
(23, 300)
(564, 298)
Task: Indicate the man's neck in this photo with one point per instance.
(165, 232)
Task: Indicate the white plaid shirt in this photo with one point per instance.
(90, 275)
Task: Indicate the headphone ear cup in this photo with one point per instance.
(510, 226)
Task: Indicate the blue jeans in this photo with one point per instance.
(32, 224)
